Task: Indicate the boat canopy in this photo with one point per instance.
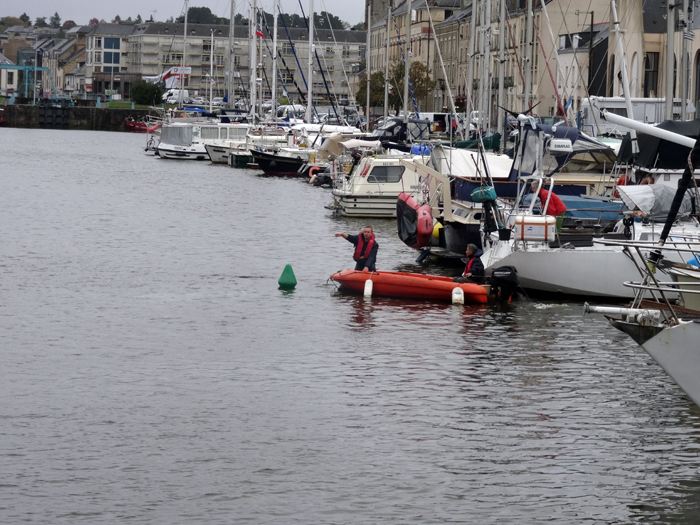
(654, 200)
(659, 153)
(583, 147)
(177, 135)
(361, 144)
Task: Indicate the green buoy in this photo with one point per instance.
(287, 279)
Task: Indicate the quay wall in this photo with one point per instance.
(75, 117)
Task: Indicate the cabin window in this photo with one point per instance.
(210, 133)
(385, 174)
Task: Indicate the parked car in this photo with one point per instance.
(217, 101)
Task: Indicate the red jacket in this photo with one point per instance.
(555, 206)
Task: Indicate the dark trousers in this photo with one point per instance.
(360, 265)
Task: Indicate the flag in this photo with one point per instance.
(258, 32)
(568, 104)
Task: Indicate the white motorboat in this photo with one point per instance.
(177, 141)
(373, 185)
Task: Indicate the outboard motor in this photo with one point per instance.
(504, 282)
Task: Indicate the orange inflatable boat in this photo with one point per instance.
(413, 285)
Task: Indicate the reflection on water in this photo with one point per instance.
(153, 371)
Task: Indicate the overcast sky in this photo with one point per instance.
(81, 11)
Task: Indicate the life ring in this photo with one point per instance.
(647, 180)
(313, 171)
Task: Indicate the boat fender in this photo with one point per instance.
(457, 295)
(364, 171)
(312, 180)
(368, 288)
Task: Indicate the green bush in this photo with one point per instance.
(146, 93)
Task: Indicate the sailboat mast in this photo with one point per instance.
(670, 59)
(252, 70)
(528, 59)
(684, 64)
(469, 91)
(407, 64)
(386, 65)
(310, 75)
(211, 71)
(501, 71)
(260, 62)
(231, 56)
(486, 90)
(184, 57)
(367, 56)
(625, 79)
(274, 59)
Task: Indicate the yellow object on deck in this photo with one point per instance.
(436, 230)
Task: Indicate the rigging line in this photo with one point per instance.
(279, 72)
(318, 61)
(578, 68)
(515, 51)
(351, 96)
(551, 76)
(296, 58)
(410, 85)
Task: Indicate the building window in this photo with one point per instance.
(111, 43)
(10, 77)
(220, 60)
(98, 42)
(98, 57)
(98, 69)
(651, 74)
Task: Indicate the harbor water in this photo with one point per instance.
(152, 371)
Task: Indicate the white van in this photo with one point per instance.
(173, 96)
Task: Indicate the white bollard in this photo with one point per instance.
(457, 296)
(368, 288)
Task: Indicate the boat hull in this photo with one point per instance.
(410, 285)
(677, 351)
(589, 273)
(218, 154)
(198, 152)
(278, 165)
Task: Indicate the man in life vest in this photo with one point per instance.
(555, 208)
(474, 268)
(365, 249)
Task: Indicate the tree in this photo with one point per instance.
(10, 21)
(69, 24)
(321, 21)
(117, 19)
(40, 22)
(239, 20)
(138, 20)
(146, 93)
(420, 81)
(55, 21)
(25, 19)
(376, 90)
(360, 26)
(93, 22)
(150, 19)
(200, 15)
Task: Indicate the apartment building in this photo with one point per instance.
(154, 48)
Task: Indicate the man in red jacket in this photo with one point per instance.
(555, 207)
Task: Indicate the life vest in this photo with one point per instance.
(621, 181)
(360, 248)
(469, 266)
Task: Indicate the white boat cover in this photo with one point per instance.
(654, 200)
(357, 143)
(176, 134)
